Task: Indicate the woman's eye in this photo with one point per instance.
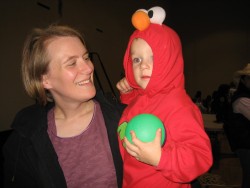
(72, 63)
(86, 58)
(137, 60)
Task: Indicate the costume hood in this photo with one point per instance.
(167, 56)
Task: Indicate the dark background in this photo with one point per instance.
(214, 34)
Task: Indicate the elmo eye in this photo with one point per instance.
(150, 14)
(157, 15)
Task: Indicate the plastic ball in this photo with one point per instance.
(145, 127)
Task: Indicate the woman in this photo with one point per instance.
(71, 141)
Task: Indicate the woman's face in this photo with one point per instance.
(70, 74)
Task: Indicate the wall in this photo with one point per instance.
(16, 20)
(215, 38)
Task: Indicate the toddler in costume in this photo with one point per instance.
(153, 66)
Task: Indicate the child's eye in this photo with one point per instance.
(137, 60)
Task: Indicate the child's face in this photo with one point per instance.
(142, 62)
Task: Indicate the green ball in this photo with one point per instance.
(145, 127)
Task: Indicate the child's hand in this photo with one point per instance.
(123, 86)
(149, 153)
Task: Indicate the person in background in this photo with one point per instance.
(199, 101)
(237, 126)
(154, 84)
(207, 104)
(197, 97)
(68, 139)
(220, 103)
(232, 89)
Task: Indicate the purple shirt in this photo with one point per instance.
(85, 159)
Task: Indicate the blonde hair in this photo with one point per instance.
(35, 59)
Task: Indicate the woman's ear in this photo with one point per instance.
(45, 81)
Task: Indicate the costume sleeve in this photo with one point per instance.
(128, 97)
(187, 152)
(242, 106)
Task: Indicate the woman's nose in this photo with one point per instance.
(86, 67)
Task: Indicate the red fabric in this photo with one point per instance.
(187, 151)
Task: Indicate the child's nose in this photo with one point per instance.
(144, 64)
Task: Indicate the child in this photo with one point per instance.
(154, 84)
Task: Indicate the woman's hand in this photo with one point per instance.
(123, 86)
(149, 153)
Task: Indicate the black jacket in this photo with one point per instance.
(236, 125)
(30, 159)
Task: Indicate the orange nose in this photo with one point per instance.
(140, 20)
